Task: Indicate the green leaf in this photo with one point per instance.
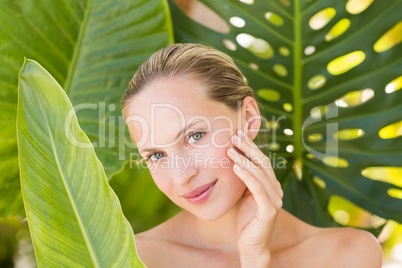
(74, 216)
(92, 48)
(311, 54)
(133, 185)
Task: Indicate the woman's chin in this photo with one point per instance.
(210, 213)
(209, 216)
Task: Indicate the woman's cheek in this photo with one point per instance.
(221, 140)
(216, 159)
(161, 182)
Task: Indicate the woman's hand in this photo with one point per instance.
(260, 203)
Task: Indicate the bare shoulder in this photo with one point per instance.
(347, 247)
(162, 253)
(154, 247)
(360, 248)
(161, 247)
(145, 248)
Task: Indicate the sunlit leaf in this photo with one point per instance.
(74, 216)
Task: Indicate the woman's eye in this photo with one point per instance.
(155, 156)
(195, 137)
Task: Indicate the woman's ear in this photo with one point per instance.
(251, 117)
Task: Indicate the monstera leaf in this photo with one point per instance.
(327, 74)
(74, 216)
(92, 48)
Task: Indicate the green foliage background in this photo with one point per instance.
(290, 75)
(92, 48)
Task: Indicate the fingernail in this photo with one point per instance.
(241, 133)
(236, 166)
(237, 138)
(233, 151)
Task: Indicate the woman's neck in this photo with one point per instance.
(221, 234)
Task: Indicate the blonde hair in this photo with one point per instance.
(214, 69)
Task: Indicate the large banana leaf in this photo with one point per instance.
(92, 47)
(74, 216)
(286, 50)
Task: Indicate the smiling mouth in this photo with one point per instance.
(200, 194)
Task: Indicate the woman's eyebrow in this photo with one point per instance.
(151, 149)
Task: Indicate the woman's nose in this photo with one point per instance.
(184, 169)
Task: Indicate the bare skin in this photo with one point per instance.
(294, 244)
(242, 223)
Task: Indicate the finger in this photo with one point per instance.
(266, 207)
(255, 155)
(257, 174)
(247, 146)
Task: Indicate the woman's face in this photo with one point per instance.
(184, 164)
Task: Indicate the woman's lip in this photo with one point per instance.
(203, 196)
(199, 190)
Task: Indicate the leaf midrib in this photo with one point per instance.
(297, 65)
(83, 230)
(77, 48)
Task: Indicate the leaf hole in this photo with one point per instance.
(254, 66)
(319, 182)
(394, 85)
(334, 161)
(346, 62)
(310, 156)
(355, 98)
(288, 132)
(290, 148)
(274, 146)
(229, 44)
(347, 213)
(395, 193)
(385, 174)
(357, 6)
(287, 107)
(280, 70)
(322, 18)
(391, 131)
(390, 39)
(316, 82)
(269, 94)
(318, 111)
(349, 134)
(338, 29)
(315, 137)
(271, 124)
(274, 18)
(284, 51)
(237, 22)
(257, 46)
(205, 16)
(247, 2)
(309, 50)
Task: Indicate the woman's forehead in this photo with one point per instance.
(171, 99)
(167, 105)
(165, 120)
